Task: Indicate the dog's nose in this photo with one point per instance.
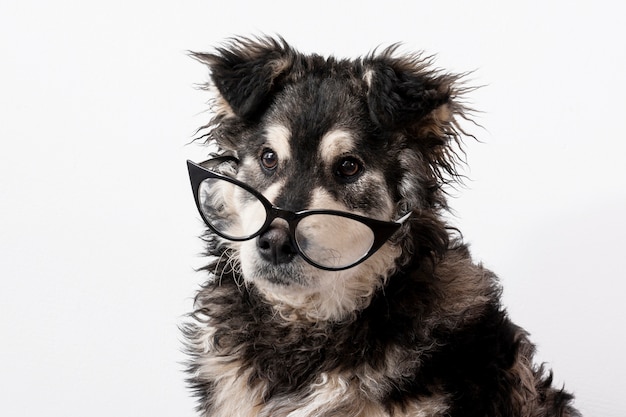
(275, 246)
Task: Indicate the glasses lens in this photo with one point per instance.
(333, 241)
(230, 210)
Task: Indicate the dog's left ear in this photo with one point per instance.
(402, 91)
(245, 73)
(405, 95)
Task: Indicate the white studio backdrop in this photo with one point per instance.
(98, 231)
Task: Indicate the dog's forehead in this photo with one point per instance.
(314, 113)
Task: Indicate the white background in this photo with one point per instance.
(98, 228)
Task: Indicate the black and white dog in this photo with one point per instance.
(336, 287)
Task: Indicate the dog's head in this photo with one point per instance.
(372, 137)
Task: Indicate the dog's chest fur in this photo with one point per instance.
(329, 395)
(305, 372)
(389, 359)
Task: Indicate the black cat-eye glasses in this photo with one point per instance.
(327, 239)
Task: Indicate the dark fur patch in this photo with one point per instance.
(436, 329)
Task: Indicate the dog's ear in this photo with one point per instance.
(246, 72)
(406, 95)
(403, 90)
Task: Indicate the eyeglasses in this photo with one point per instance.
(327, 239)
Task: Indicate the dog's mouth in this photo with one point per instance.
(283, 274)
(261, 261)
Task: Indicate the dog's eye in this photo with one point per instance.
(269, 159)
(348, 168)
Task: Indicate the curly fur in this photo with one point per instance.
(418, 329)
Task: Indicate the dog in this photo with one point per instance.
(336, 287)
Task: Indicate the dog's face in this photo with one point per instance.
(309, 152)
(367, 137)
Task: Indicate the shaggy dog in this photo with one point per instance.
(335, 286)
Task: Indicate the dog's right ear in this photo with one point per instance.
(246, 73)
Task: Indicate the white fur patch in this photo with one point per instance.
(321, 199)
(367, 77)
(278, 138)
(335, 143)
(233, 395)
(254, 213)
(273, 191)
(219, 105)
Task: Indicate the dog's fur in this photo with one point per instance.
(417, 329)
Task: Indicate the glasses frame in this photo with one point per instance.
(382, 230)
